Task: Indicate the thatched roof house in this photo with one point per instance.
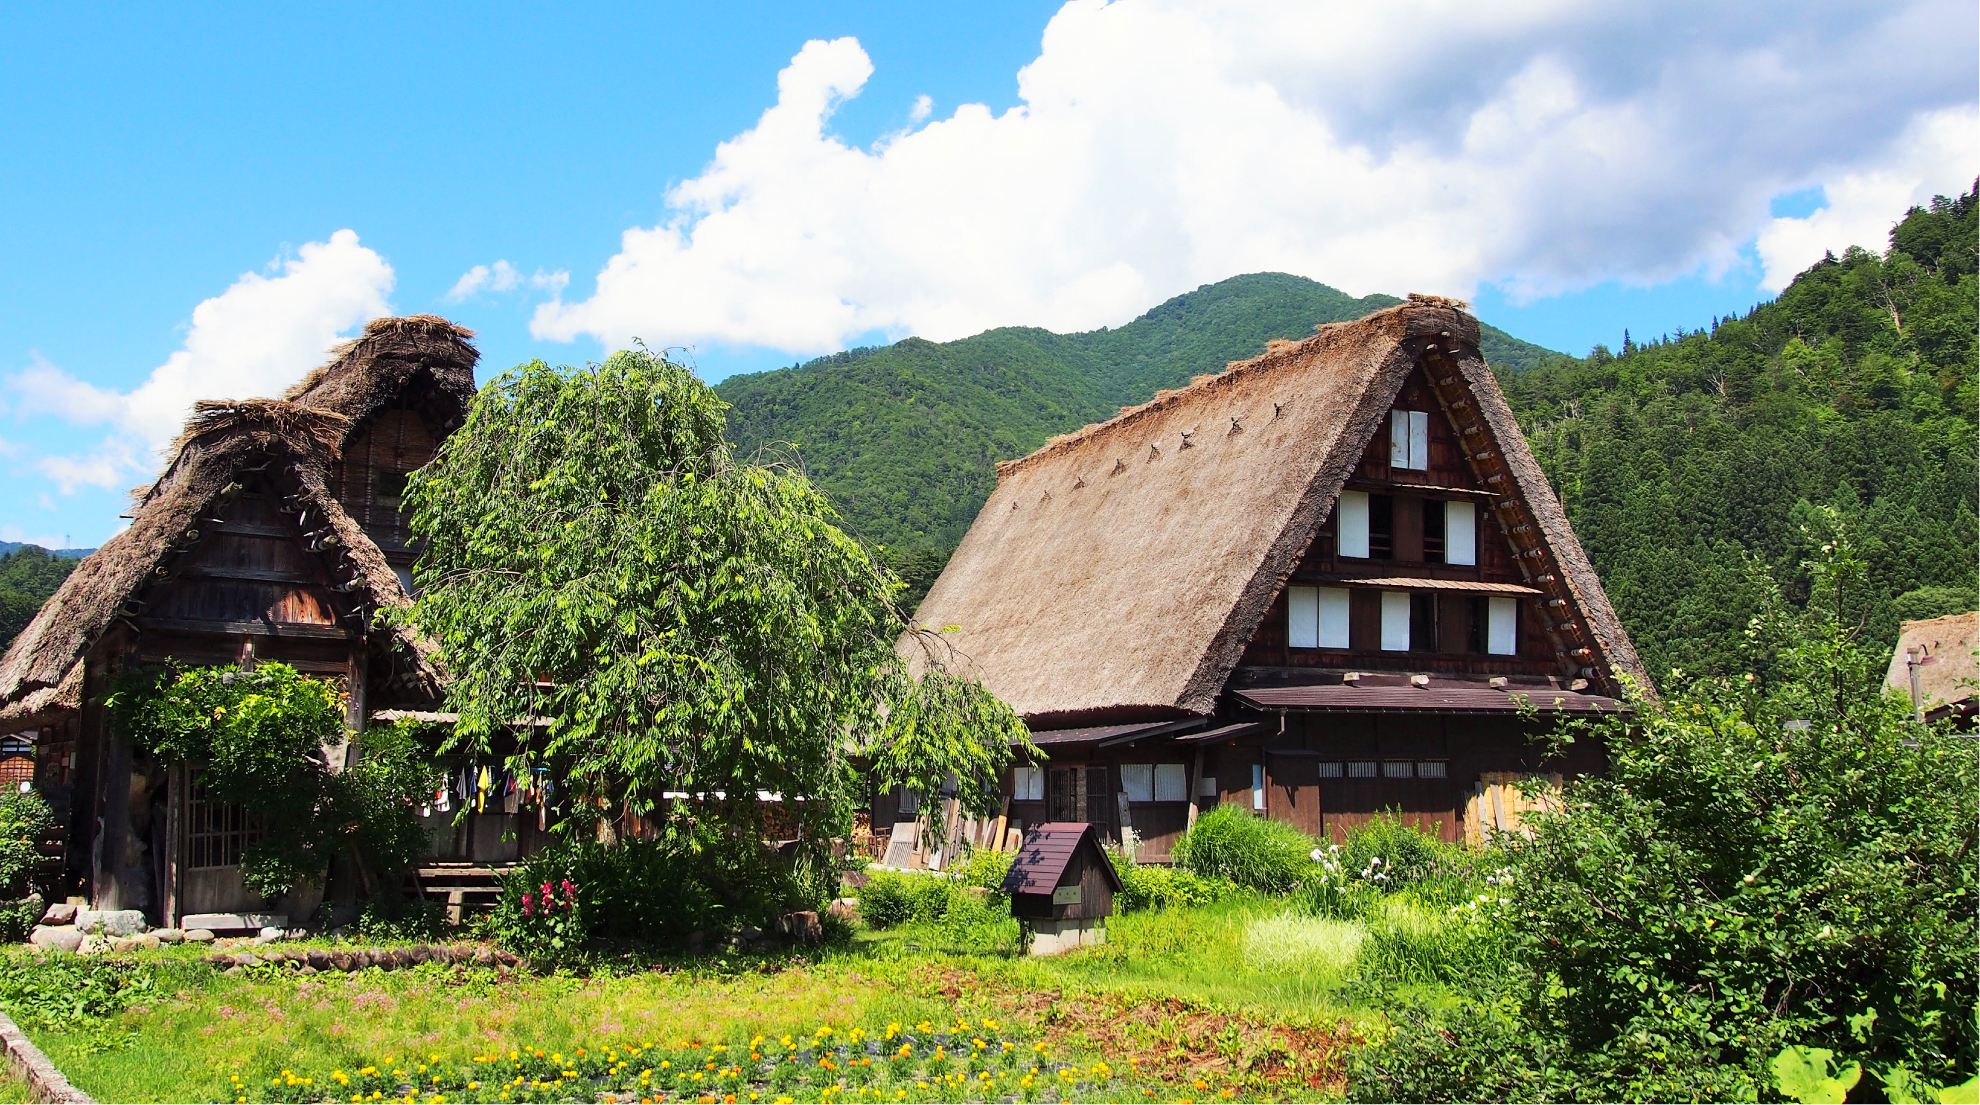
(1347, 527)
(272, 532)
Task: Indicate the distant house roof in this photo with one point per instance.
(298, 436)
(1117, 573)
(1950, 678)
(1048, 848)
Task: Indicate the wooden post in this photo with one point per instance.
(1195, 783)
(1003, 818)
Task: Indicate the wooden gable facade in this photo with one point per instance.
(272, 535)
(1323, 584)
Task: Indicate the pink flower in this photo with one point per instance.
(570, 892)
(528, 901)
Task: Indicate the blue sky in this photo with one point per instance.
(767, 182)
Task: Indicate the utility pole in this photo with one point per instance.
(1915, 658)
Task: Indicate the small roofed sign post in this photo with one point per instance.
(1062, 887)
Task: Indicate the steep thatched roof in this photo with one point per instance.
(45, 705)
(1951, 676)
(293, 440)
(1117, 573)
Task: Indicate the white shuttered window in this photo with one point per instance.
(1395, 621)
(1139, 782)
(1501, 627)
(1333, 617)
(1303, 617)
(1317, 617)
(1409, 439)
(1171, 783)
(1351, 523)
(1460, 533)
(1027, 784)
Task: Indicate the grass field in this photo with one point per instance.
(1223, 1002)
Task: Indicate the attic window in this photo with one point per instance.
(1351, 524)
(1396, 608)
(1460, 533)
(1361, 769)
(1409, 439)
(391, 486)
(1317, 617)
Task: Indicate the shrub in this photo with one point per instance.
(25, 821)
(1733, 885)
(1389, 853)
(985, 869)
(894, 898)
(392, 919)
(66, 992)
(1155, 887)
(1256, 852)
(655, 893)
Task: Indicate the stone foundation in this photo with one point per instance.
(1053, 937)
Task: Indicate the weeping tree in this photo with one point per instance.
(675, 621)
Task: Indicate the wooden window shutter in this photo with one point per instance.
(1303, 617)
(1502, 627)
(1460, 533)
(1333, 617)
(1352, 511)
(1395, 621)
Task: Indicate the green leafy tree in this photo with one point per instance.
(596, 558)
(1776, 859)
(257, 738)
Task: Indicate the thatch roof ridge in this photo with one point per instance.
(365, 372)
(1278, 354)
(1950, 642)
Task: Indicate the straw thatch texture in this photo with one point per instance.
(45, 705)
(1117, 573)
(294, 440)
(1952, 675)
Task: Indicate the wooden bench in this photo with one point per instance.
(462, 888)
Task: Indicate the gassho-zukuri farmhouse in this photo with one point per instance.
(1325, 583)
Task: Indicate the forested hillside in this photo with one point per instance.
(906, 438)
(28, 575)
(1687, 463)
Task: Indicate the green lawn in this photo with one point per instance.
(1184, 1004)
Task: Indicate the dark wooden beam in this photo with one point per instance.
(245, 629)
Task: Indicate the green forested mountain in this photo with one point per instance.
(1688, 463)
(28, 575)
(906, 438)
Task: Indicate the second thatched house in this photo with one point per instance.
(1324, 583)
(273, 533)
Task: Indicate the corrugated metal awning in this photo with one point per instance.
(1445, 698)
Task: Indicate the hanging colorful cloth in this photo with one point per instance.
(483, 785)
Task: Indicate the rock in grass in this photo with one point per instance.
(342, 960)
(61, 913)
(60, 938)
(317, 958)
(199, 936)
(168, 936)
(148, 940)
(234, 971)
(246, 959)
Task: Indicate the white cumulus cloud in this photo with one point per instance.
(254, 339)
(1159, 144)
(1936, 149)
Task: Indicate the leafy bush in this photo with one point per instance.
(893, 898)
(985, 869)
(66, 992)
(1155, 887)
(25, 821)
(1734, 885)
(1389, 853)
(256, 738)
(391, 919)
(654, 892)
(1255, 852)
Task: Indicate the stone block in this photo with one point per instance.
(111, 922)
(318, 958)
(271, 932)
(92, 943)
(60, 938)
(1054, 937)
(61, 913)
(246, 959)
